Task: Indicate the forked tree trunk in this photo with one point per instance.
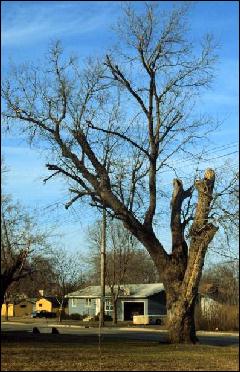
(181, 270)
(182, 275)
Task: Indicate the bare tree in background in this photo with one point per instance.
(41, 276)
(225, 210)
(221, 282)
(112, 128)
(19, 239)
(67, 276)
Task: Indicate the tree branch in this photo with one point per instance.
(120, 77)
(118, 135)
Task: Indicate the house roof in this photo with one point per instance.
(127, 290)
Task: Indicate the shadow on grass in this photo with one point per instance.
(219, 340)
(28, 337)
(91, 339)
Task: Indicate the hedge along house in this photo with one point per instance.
(134, 299)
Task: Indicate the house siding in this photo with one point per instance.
(43, 304)
(157, 304)
(23, 308)
(81, 307)
(10, 310)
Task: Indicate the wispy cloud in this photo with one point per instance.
(34, 22)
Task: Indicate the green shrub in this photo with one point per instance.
(75, 316)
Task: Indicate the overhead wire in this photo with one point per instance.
(220, 148)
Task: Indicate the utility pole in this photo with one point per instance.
(103, 267)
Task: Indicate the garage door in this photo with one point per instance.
(133, 308)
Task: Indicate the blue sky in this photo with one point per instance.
(84, 27)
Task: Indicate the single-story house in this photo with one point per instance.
(134, 299)
(20, 307)
(50, 303)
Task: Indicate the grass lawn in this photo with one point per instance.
(46, 352)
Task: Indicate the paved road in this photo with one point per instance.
(147, 334)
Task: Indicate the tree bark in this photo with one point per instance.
(115, 318)
(60, 314)
(183, 274)
(181, 323)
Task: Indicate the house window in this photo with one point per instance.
(74, 302)
(40, 305)
(23, 305)
(108, 305)
(88, 302)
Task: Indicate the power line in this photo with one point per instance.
(184, 162)
(220, 148)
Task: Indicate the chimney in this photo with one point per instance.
(41, 291)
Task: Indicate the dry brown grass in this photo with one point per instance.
(46, 352)
(223, 317)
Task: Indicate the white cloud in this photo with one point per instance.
(31, 24)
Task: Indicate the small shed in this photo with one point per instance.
(134, 299)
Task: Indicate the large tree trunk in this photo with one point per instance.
(180, 304)
(182, 275)
(181, 323)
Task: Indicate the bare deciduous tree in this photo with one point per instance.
(221, 282)
(67, 276)
(19, 239)
(113, 126)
